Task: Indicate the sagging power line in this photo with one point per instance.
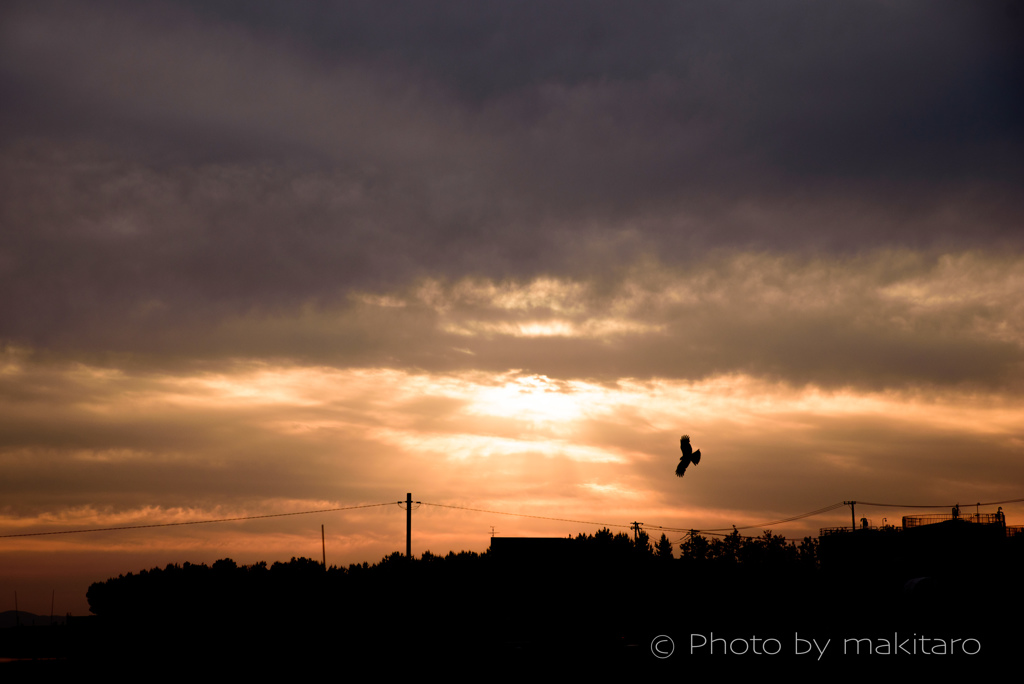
(409, 504)
(191, 522)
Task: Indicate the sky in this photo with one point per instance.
(260, 258)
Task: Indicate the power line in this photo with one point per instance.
(833, 507)
(720, 531)
(819, 511)
(980, 503)
(193, 522)
(712, 531)
(793, 518)
(525, 515)
(763, 525)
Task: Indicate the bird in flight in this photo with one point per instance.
(689, 456)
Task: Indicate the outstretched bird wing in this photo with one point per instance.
(681, 468)
(684, 445)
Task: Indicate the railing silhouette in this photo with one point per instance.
(979, 518)
(913, 521)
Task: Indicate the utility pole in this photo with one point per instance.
(323, 546)
(408, 525)
(853, 516)
(636, 529)
(409, 522)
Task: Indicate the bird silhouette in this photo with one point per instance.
(689, 456)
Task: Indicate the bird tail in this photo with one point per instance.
(696, 457)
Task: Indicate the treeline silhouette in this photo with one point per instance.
(600, 597)
(196, 592)
(595, 593)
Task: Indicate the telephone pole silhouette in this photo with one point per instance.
(408, 523)
(853, 515)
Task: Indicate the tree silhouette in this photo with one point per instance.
(643, 543)
(695, 549)
(663, 549)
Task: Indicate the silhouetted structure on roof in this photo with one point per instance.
(951, 546)
(938, 524)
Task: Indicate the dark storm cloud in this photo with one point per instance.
(169, 167)
(850, 88)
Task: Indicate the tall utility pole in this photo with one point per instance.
(853, 516)
(323, 546)
(408, 525)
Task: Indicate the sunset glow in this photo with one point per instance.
(258, 261)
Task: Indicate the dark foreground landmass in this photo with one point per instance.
(595, 603)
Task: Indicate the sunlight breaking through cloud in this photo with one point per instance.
(295, 251)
